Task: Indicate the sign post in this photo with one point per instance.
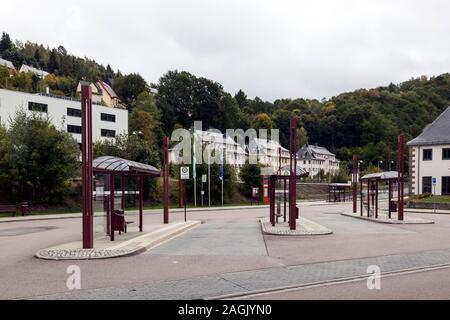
(204, 179)
(434, 192)
(184, 175)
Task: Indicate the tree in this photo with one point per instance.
(53, 63)
(145, 119)
(241, 98)
(5, 43)
(175, 99)
(129, 87)
(208, 104)
(37, 160)
(302, 137)
(262, 121)
(250, 175)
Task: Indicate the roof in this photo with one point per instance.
(6, 63)
(36, 71)
(311, 152)
(285, 171)
(381, 176)
(108, 164)
(109, 90)
(261, 146)
(435, 133)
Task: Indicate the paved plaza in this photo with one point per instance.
(228, 255)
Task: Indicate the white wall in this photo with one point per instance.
(11, 101)
(436, 168)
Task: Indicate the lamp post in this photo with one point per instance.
(380, 163)
(391, 164)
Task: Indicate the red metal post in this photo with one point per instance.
(355, 183)
(362, 197)
(141, 204)
(111, 204)
(285, 200)
(376, 199)
(122, 187)
(390, 199)
(369, 190)
(293, 212)
(400, 166)
(86, 166)
(166, 179)
(272, 200)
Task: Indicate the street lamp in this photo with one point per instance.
(380, 162)
(391, 164)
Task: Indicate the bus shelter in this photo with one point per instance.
(280, 189)
(110, 170)
(378, 193)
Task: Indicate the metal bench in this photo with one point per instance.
(9, 208)
(119, 222)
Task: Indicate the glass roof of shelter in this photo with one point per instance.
(110, 164)
(390, 175)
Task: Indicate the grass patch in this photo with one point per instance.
(434, 199)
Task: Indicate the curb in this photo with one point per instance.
(149, 212)
(116, 251)
(391, 222)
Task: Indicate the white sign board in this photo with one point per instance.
(204, 178)
(184, 173)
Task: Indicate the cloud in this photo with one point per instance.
(271, 49)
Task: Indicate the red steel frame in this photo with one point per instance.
(373, 185)
(86, 166)
(400, 167)
(293, 210)
(355, 184)
(166, 179)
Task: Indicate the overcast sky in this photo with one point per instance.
(271, 49)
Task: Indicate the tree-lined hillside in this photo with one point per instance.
(365, 121)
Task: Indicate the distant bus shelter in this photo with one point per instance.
(339, 192)
(108, 170)
(378, 194)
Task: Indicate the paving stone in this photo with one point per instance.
(248, 281)
(305, 227)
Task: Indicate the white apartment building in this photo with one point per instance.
(234, 154)
(64, 113)
(262, 151)
(429, 158)
(314, 159)
(268, 154)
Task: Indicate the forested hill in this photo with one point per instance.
(365, 121)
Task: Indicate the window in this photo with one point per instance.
(446, 154)
(445, 186)
(38, 107)
(74, 112)
(108, 117)
(427, 185)
(74, 129)
(427, 154)
(108, 133)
